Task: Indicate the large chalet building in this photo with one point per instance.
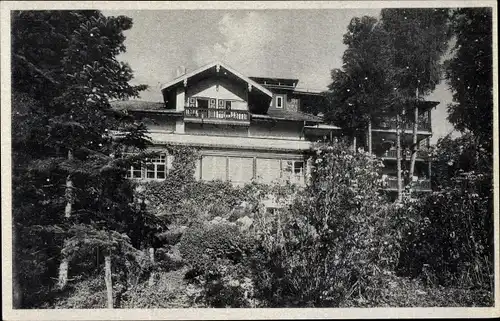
(253, 128)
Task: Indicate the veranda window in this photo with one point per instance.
(293, 169)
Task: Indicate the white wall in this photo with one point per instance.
(180, 99)
(225, 90)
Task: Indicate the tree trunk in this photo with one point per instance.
(370, 136)
(152, 258)
(17, 292)
(398, 158)
(414, 143)
(108, 280)
(64, 265)
(63, 273)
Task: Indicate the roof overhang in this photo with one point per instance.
(217, 65)
(296, 117)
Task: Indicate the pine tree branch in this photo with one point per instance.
(36, 69)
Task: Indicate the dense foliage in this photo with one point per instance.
(337, 242)
(387, 66)
(470, 73)
(358, 90)
(71, 202)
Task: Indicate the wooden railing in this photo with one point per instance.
(420, 185)
(213, 113)
(423, 124)
(391, 153)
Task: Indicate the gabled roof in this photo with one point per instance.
(211, 65)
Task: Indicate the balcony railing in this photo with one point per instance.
(391, 153)
(419, 185)
(213, 113)
(423, 124)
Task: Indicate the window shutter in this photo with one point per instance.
(268, 169)
(240, 169)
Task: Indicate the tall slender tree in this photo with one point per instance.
(420, 39)
(389, 65)
(355, 96)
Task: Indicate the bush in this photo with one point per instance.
(202, 245)
(87, 294)
(335, 242)
(218, 253)
(450, 233)
(169, 291)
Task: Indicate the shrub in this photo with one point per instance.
(169, 291)
(451, 233)
(227, 284)
(337, 240)
(218, 253)
(86, 294)
(203, 244)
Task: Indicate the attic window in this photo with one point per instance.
(279, 102)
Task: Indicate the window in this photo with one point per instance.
(279, 101)
(156, 168)
(134, 171)
(298, 168)
(293, 170)
(294, 167)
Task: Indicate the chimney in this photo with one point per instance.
(181, 70)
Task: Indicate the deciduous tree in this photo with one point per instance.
(419, 38)
(469, 74)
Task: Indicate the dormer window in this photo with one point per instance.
(279, 102)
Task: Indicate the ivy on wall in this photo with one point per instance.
(180, 199)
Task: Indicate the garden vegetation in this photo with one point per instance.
(86, 237)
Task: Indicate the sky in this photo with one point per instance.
(305, 44)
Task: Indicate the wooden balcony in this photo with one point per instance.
(406, 154)
(214, 115)
(421, 185)
(390, 124)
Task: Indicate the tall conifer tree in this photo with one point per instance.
(70, 194)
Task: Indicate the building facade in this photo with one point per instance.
(251, 128)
